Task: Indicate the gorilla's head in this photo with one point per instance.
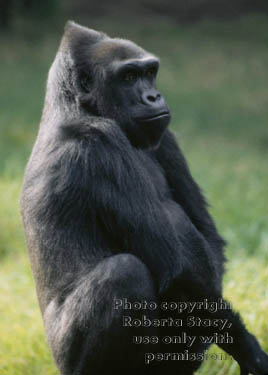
(116, 79)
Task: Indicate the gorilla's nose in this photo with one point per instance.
(152, 97)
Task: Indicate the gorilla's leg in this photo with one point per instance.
(85, 331)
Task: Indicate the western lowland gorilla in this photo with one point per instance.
(111, 212)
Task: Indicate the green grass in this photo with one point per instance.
(215, 78)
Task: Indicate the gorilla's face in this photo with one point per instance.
(132, 100)
(118, 81)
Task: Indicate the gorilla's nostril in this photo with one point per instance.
(151, 98)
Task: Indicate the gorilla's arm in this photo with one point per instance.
(185, 190)
(245, 349)
(187, 194)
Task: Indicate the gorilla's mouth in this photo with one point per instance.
(159, 116)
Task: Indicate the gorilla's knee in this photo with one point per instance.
(127, 276)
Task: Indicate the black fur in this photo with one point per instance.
(111, 210)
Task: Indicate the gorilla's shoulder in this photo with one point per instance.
(93, 130)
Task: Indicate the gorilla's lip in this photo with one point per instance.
(155, 117)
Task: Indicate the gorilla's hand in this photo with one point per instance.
(256, 366)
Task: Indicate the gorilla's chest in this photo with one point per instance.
(154, 175)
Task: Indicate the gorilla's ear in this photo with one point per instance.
(75, 35)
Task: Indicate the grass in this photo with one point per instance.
(214, 76)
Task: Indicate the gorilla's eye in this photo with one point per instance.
(151, 72)
(131, 75)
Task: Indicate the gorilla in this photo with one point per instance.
(111, 212)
